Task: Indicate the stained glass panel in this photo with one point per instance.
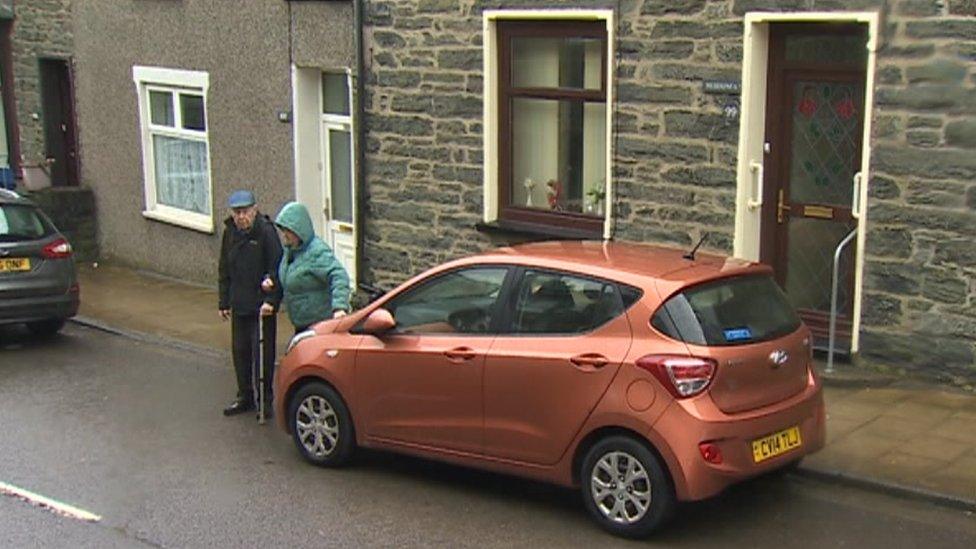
(826, 133)
(811, 263)
(827, 48)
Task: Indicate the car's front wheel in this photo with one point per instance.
(45, 328)
(321, 425)
(625, 487)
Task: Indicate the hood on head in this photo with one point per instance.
(294, 217)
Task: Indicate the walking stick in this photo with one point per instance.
(260, 368)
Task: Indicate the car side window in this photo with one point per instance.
(459, 302)
(556, 303)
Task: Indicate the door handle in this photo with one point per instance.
(781, 208)
(460, 354)
(591, 360)
(756, 200)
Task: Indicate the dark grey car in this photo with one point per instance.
(38, 284)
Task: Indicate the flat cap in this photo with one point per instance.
(241, 199)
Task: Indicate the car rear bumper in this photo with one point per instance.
(687, 424)
(29, 309)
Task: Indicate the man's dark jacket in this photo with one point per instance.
(245, 259)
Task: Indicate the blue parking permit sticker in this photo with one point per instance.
(737, 334)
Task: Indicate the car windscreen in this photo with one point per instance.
(20, 222)
(730, 311)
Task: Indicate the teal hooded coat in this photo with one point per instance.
(315, 283)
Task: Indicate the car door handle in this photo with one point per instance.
(591, 360)
(460, 354)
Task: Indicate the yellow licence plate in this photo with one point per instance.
(9, 265)
(775, 444)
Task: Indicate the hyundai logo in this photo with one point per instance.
(778, 358)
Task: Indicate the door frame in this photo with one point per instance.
(752, 132)
(66, 98)
(307, 125)
(9, 99)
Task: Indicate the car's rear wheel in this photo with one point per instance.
(626, 488)
(46, 327)
(321, 425)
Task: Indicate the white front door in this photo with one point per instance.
(337, 184)
(338, 190)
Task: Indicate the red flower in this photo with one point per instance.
(845, 108)
(807, 107)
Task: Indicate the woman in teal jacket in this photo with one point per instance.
(315, 284)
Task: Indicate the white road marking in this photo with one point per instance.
(54, 506)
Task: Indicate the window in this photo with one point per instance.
(459, 302)
(731, 311)
(176, 151)
(337, 145)
(551, 114)
(555, 303)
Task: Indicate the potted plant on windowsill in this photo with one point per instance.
(595, 197)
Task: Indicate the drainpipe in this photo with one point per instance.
(360, 128)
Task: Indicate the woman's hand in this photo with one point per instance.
(267, 284)
(267, 309)
(339, 314)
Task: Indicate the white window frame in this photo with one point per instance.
(490, 18)
(177, 82)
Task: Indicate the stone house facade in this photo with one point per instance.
(38, 131)
(771, 127)
(32, 35)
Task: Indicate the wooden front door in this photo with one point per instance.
(60, 140)
(814, 134)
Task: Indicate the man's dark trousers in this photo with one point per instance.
(244, 332)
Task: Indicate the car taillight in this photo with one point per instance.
(58, 249)
(682, 376)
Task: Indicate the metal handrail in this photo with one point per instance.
(832, 331)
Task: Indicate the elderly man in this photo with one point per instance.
(249, 253)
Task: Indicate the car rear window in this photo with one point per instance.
(730, 311)
(19, 222)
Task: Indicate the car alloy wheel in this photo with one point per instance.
(321, 425)
(620, 487)
(625, 487)
(318, 426)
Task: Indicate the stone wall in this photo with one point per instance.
(920, 287)
(42, 29)
(73, 211)
(675, 152)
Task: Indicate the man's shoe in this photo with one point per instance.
(238, 407)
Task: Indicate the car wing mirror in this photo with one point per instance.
(378, 322)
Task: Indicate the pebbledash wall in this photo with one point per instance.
(247, 49)
(674, 154)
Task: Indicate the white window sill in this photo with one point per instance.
(196, 222)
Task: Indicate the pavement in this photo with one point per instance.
(890, 434)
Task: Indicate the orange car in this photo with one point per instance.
(641, 374)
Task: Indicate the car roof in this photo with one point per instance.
(641, 265)
(10, 197)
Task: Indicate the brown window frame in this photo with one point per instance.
(506, 31)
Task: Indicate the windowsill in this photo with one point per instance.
(196, 222)
(537, 232)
